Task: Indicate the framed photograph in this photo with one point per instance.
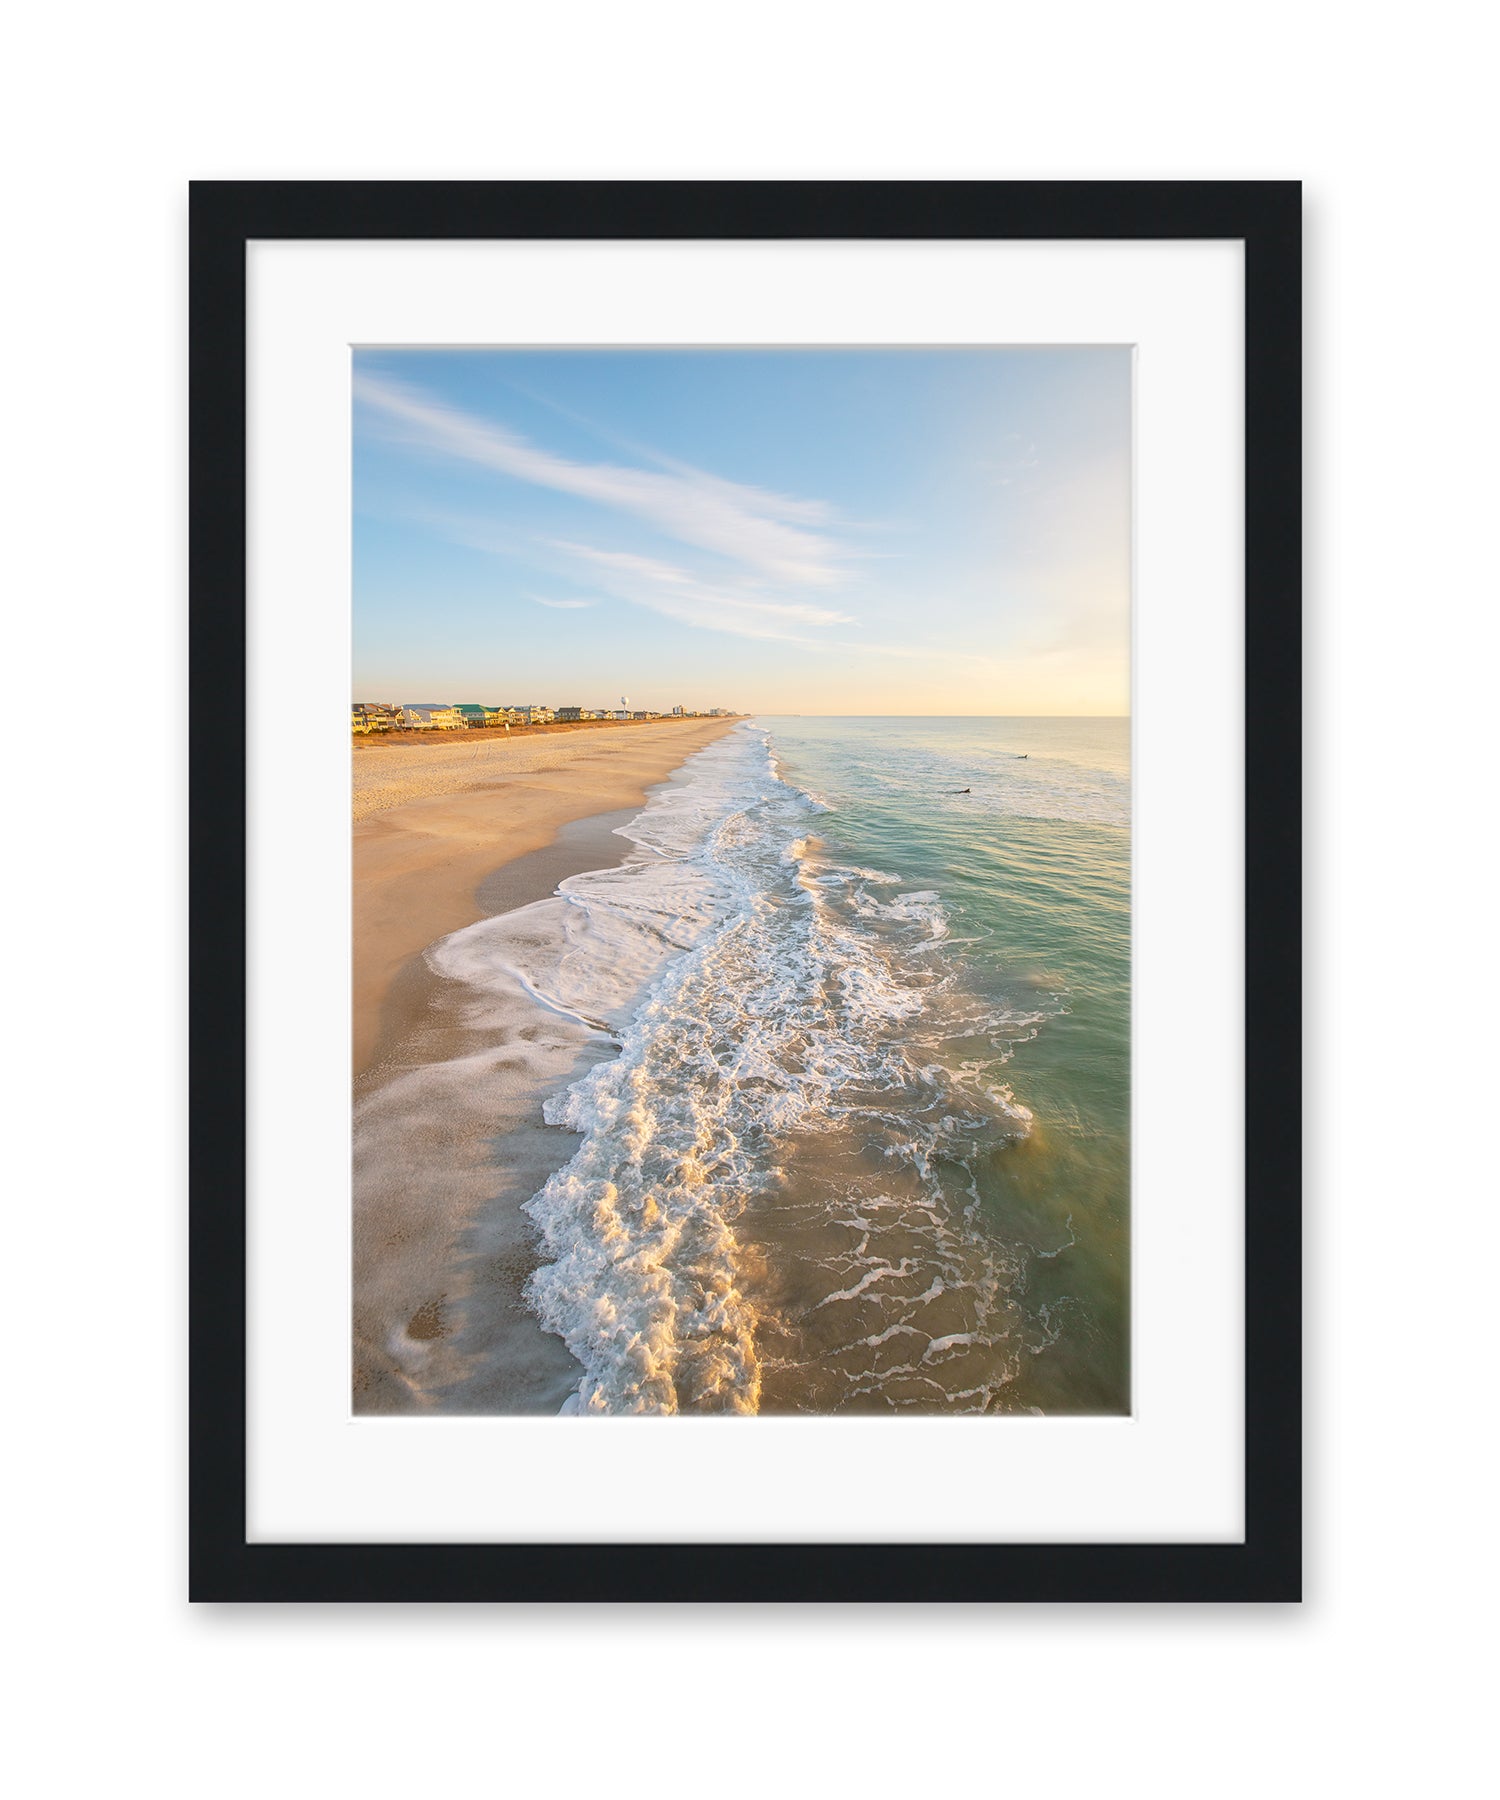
(762, 1062)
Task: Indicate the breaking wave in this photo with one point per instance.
(774, 1203)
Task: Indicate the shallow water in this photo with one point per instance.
(858, 1137)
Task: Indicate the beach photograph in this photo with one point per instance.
(741, 850)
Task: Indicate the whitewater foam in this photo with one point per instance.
(776, 1021)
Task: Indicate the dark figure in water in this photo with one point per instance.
(1021, 757)
(960, 790)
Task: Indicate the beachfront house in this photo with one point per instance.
(571, 712)
(371, 715)
(426, 715)
(473, 716)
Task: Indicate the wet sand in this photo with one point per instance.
(448, 1138)
(435, 824)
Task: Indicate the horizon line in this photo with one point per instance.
(769, 713)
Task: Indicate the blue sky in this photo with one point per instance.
(839, 531)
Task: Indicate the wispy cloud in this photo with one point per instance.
(710, 606)
(564, 605)
(771, 534)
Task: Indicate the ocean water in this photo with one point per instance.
(854, 1134)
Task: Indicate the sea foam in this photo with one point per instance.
(781, 1021)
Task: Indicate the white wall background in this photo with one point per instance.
(1373, 1687)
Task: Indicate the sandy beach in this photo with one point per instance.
(447, 834)
(433, 821)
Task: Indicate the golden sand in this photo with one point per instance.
(448, 1145)
(432, 821)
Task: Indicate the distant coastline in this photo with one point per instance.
(374, 739)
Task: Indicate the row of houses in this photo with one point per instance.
(427, 715)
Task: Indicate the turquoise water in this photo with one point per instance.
(862, 1144)
(1032, 867)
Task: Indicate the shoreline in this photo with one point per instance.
(448, 1139)
(432, 838)
(577, 847)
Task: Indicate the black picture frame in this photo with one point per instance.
(1266, 217)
